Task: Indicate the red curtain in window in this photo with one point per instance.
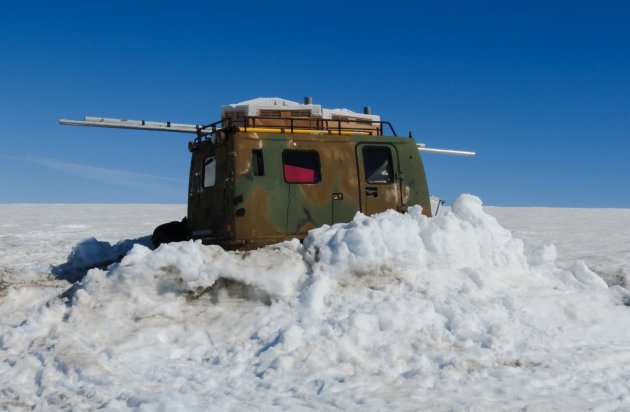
(296, 174)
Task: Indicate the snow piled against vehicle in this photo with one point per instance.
(390, 311)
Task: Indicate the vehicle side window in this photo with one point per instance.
(258, 164)
(209, 171)
(377, 163)
(301, 166)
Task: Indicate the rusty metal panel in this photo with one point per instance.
(260, 201)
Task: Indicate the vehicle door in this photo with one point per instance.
(379, 186)
(207, 193)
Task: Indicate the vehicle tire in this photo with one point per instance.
(170, 232)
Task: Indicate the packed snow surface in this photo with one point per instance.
(393, 311)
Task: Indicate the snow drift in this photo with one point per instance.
(390, 311)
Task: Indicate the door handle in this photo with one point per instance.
(371, 191)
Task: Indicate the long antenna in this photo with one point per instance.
(423, 148)
(138, 124)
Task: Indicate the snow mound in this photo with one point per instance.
(394, 310)
(91, 253)
(469, 245)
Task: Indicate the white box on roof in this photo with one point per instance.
(253, 107)
(260, 105)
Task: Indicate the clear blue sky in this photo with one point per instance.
(541, 90)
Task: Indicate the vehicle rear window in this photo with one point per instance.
(301, 166)
(209, 171)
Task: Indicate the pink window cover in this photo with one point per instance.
(296, 174)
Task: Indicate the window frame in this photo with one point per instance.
(258, 163)
(392, 178)
(205, 170)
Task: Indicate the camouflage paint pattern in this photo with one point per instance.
(245, 209)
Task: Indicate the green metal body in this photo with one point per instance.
(244, 201)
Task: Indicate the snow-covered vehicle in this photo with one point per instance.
(272, 169)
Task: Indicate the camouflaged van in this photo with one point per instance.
(272, 169)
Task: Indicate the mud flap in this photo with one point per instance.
(170, 232)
